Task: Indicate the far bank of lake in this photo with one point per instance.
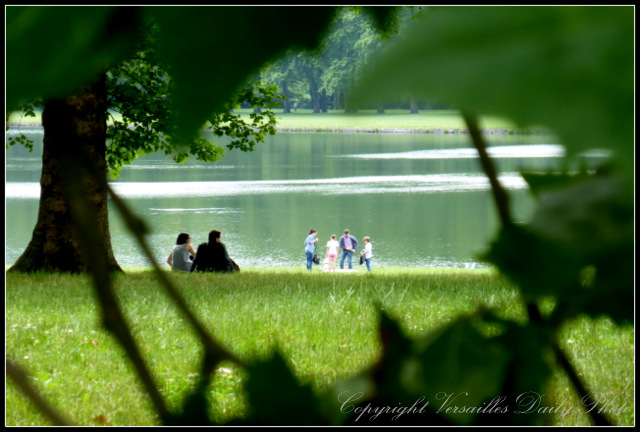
(364, 121)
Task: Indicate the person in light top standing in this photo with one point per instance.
(310, 247)
(367, 252)
(348, 244)
(332, 252)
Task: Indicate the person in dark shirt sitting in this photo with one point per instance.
(213, 256)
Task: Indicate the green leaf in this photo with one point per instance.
(460, 367)
(389, 373)
(593, 221)
(583, 226)
(539, 182)
(19, 139)
(527, 373)
(277, 398)
(51, 51)
(539, 266)
(342, 399)
(570, 69)
(381, 395)
(225, 45)
(589, 217)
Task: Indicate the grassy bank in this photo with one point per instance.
(365, 120)
(391, 120)
(323, 323)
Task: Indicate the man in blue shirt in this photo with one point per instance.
(348, 244)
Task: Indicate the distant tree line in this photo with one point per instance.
(321, 80)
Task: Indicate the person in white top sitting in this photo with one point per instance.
(180, 258)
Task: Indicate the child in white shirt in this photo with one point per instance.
(367, 252)
(332, 252)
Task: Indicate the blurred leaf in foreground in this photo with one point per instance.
(277, 398)
(51, 51)
(570, 69)
(460, 368)
(594, 222)
(212, 50)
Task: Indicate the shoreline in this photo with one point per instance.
(434, 131)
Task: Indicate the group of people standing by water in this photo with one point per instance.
(347, 243)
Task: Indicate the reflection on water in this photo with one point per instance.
(508, 151)
(194, 210)
(422, 199)
(337, 186)
(169, 164)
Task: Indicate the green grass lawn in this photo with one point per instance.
(324, 324)
(391, 119)
(364, 119)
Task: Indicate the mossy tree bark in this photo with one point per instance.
(71, 127)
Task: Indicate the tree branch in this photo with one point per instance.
(502, 202)
(21, 379)
(133, 78)
(598, 418)
(137, 228)
(499, 194)
(112, 317)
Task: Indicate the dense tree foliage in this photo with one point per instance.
(139, 91)
(322, 79)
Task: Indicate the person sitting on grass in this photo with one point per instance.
(213, 256)
(180, 257)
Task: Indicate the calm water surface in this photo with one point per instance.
(421, 198)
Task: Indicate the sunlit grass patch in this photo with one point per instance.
(324, 324)
(338, 119)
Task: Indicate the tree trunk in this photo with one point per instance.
(286, 104)
(70, 127)
(313, 88)
(323, 101)
(414, 106)
(348, 108)
(313, 92)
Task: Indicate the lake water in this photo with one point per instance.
(422, 198)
